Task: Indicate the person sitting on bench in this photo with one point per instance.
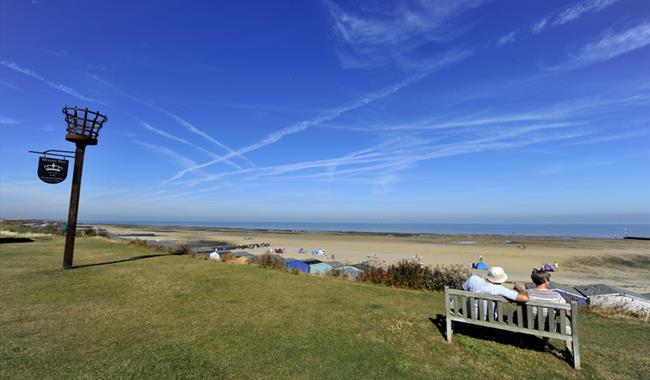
(543, 293)
(491, 284)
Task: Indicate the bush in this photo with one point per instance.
(138, 243)
(414, 275)
(181, 250)
(227, 257)
(449, 275)
(269, 260)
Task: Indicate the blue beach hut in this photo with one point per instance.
(299, 265)
(302, 265)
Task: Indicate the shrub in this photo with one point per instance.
(138, 243)
(90, 232)
(409, 274)
(338, 274)
(181, 250)
(414, 275)
(374, 276)
(269, 260)
(227, 257)
(448, 275)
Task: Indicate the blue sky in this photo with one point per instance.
(351, 111)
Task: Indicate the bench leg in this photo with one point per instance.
(576, 353)
(449, 330)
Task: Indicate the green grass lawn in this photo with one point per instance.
(182, 317)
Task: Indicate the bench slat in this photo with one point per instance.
(563, 321)
(500, 298)
(453, 304)
(529, 317)
(501, 310)
(541, 323)
(516, 329)
(462, 305)
(511, 314)
(472, 308)
(491, 311)
(481, 310)
(552, 321)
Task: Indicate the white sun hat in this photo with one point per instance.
(497, 275)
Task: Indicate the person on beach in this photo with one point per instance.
(492, 284)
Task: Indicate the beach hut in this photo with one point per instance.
(336, 264)
(569, 293)
(613, 297)
(299, 265)
(320, 268)
(364, 267)
(349, 271)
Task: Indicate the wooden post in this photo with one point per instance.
(574, 332)
(448, 314)
(74, 205)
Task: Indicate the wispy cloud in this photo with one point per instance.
(589, 6)
(12, 86)
(394, 155)
(175, 157)
(560, 121)
(610, 45)
(507, 39)
(57, 53)
(375, 35)
(189, 126)
(539, 26)
(63, 88)
(443, 61)
(609, 138)
(8, 121)
(170, 136)
(562, 16)
(567, 167)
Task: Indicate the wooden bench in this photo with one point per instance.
(548, 320)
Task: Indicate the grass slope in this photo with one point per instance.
(175, 316)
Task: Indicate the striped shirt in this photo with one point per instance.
(550, 296)
(545, 296)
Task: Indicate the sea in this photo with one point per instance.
(554, 230)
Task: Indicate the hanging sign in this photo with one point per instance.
(52, 170)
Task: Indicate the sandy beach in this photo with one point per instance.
(617, 262)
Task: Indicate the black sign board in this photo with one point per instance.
(52, 170)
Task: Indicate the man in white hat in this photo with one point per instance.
(492, 285)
